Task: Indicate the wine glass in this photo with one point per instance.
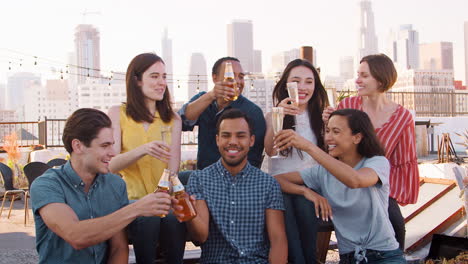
(293, 94)
(277, 116)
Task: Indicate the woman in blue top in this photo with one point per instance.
(353, 183)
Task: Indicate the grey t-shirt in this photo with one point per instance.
(360, 215)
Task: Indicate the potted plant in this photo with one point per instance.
(464, 137)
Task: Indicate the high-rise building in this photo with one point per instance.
(51, 101)
(101, 96)
(367, 40)
(240, 43)
(166, 44)
(436, 56)
(87, 46)
(403, 47)
(347, 67)
(280, 60)
(198, 78)
(16, 91)
(2, 96)
(466, 52)
(257, 61)
(258, 89)
(307, 53)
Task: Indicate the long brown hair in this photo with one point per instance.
(315, 106)
(136, 108)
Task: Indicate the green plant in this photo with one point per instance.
(464, 137)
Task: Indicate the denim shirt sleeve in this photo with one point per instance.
(46, 190)
(188, 125)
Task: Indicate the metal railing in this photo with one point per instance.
(440, 104)
(48, 132)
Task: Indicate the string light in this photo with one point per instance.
(9, 65)
(198, 83)
(35, 60)
(178, 84)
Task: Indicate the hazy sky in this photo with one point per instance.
(46, 28)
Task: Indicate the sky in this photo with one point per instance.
(46, 28)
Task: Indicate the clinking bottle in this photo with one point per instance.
(229, 77)
(183, 197)
(164, 185)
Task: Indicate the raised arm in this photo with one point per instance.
(277, 235)
(63, 221)
(361, 178)
(268, 142)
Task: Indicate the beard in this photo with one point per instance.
(234, 163)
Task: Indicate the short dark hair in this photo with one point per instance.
(84, 124)
(234, 113)
(359, 122)
(215, 69)
(382, 69)
(136, 109)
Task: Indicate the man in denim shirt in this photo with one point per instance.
(205, 108)
(80, 209)
(239, 207)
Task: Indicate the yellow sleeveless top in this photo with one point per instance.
(141, 177)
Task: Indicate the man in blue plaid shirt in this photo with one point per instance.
(240, 208)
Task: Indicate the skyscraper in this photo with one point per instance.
(367, 40)
(87, 46)
(240, 43)
(257, 61)
(347, 67)
(280, 60)
(404, 47)
(436, 56)
(466, 52)
(17, 84)
(166, 44)
(198, 78)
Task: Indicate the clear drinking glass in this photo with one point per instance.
(293, 94)
(165, 132)
(277, 117)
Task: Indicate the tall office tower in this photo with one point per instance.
(280, 60)
(347, 67)
(2, 96)
(466, 52)
(16, 91)
(436, 56)
(51, 101)
(257, 61)
(198, 78)
(403, 47)
(240, 43)
(367, 40)
(166, 44)
(87, 46)
(307, 53)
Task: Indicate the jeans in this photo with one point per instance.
(147, 232)
(301, 229)
(376, 257)
(397, 221)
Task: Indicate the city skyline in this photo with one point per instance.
(129, 28)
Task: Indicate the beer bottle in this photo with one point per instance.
(229, 77)
(184, 200)
(164, 185)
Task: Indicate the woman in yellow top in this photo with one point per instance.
(143, 155)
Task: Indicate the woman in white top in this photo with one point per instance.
(306, 120)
